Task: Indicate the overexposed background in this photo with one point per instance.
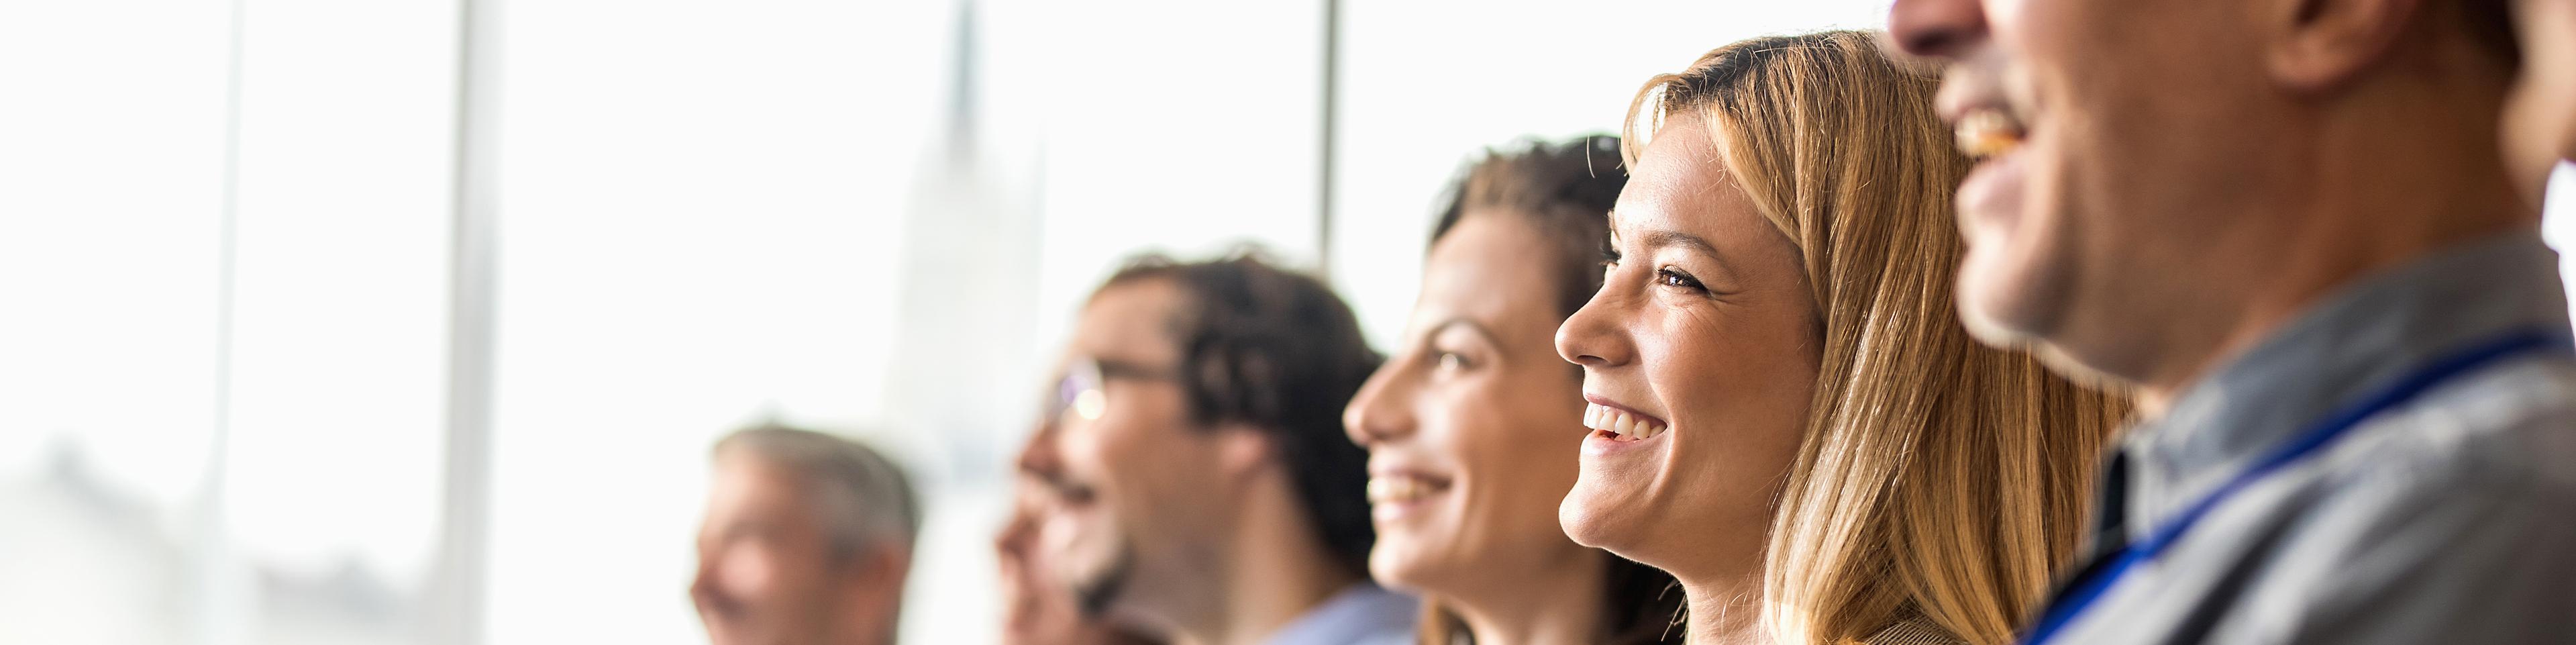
(238, 347)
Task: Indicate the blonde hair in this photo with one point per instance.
(1938, 478)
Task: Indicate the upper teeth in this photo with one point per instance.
(1988, 133)
(1397, 488)
(1628, 427)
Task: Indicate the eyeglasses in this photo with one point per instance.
(1083, 391)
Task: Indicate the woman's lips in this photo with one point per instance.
(1393, 495)
(1617, 429)
(1619, 422)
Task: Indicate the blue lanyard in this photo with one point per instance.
(2087, 588)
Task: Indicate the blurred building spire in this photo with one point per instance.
(960, 375)
(961, 144)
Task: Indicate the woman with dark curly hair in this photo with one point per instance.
(1471, 424)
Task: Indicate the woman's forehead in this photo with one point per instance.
(1491, 267)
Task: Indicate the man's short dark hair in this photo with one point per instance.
(1276, 350)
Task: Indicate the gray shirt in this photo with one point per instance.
(1363, 614)
(2450, 518)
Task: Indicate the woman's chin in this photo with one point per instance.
(1400, 563)
(1598, 521)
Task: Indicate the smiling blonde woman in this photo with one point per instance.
(1788, 416)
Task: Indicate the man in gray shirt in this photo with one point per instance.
(2285, 224)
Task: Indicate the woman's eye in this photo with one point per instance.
(1451, 361)
(1677, 279)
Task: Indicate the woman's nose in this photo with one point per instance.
(1381, 411)
(1590, 337)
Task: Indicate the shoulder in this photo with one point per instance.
(1913, 631)
(2506, 434)
(2446, 522)
(2490, 459)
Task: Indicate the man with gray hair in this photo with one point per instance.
(807, 541)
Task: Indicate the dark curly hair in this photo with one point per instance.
(1277, 350)
(1564, 191)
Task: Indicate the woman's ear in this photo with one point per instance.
(2318, 45)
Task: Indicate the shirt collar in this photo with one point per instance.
(1362, 612)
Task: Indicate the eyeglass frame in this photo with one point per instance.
(1085, 381)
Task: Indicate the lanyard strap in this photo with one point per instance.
(2089, 586)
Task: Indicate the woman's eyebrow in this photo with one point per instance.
(1463, 323)
(1661, 239)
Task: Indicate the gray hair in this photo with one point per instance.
(860, 495)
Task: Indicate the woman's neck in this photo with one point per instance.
(1534, 608)
(1724, 610)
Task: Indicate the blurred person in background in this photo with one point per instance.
(1036, 608)
(1786, 415)
(2289, 224)
(1203, 489)
(807, 541)
(1473, 422)
(2540, 114)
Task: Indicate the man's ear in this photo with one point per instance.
(875, 577)
(2318, 45)
(1243, 449)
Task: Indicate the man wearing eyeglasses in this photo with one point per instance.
(1202, 488)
